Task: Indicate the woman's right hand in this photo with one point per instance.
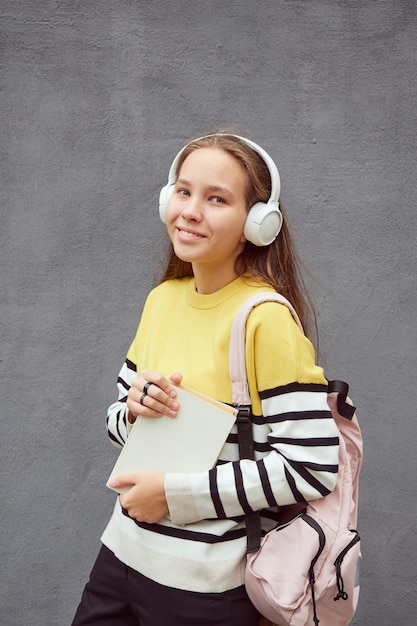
(153, 395)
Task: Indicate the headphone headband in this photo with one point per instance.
(264, 220)
(273, 170)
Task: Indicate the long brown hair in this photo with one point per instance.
(276, 265)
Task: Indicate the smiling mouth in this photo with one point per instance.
(189, 235)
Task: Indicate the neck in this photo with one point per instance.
(207, 282)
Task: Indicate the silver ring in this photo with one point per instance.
(146, 388)
(143, 396)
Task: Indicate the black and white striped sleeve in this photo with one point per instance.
(303, 440)
(297, 447)
(117, 427)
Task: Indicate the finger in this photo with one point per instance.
(176, 378)
(157, 405)
(146, 387)
(136, 396)
(159, 381)
(136, 408)
(157, 392)
(153, 395)
(134, 399)
(125, 480)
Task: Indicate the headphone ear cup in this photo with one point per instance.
(164, 197)
(263, 223)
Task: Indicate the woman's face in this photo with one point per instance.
(207, 211)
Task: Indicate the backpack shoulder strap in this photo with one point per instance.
(344, 407)
(241, 396)
(237, 361)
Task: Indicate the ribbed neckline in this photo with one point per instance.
(211, 300)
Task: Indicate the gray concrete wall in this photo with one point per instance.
(96, 98)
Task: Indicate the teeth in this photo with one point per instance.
(186, 233)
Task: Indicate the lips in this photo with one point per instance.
(189, 234)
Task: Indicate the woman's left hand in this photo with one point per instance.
(145, 499)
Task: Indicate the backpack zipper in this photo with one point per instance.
(342, 594)
(322, 541)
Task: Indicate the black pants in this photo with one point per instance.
(117, 595)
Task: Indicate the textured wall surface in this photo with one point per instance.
(96, 98)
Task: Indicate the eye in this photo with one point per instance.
(218, 200)
(182, 192)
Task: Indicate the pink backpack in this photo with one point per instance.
(305, 571)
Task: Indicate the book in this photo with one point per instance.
(189, 442)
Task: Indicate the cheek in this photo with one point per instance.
(241, 225)
(169, 211)
(172, 212)
(169, 219)
(233, 232)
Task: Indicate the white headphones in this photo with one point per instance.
(264, 219)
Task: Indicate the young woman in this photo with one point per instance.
(174, 549)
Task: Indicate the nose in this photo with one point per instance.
(192, 209)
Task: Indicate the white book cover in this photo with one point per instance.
(189, 442)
